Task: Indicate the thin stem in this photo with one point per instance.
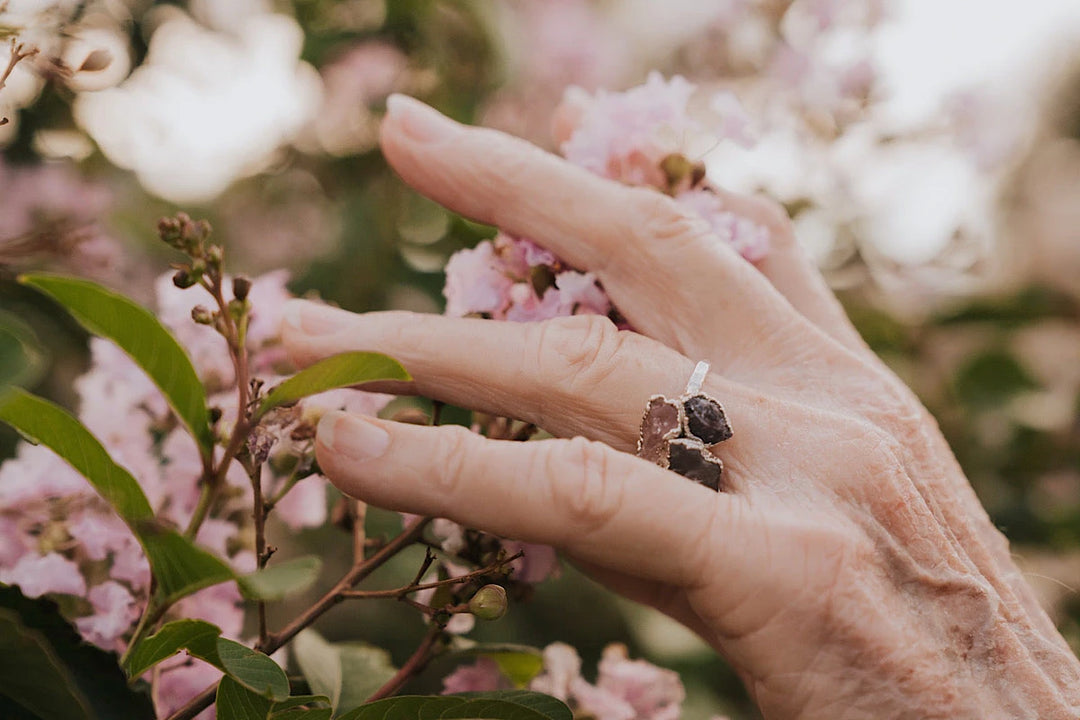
(261, 555)
(416, 587)
(357, 573)
(416, 662)
(206, 499)
(151, 614)
(359, 533)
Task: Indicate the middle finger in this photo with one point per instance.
(571, 376)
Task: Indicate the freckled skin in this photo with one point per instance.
(848, 572)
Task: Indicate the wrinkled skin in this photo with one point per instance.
(849, 571)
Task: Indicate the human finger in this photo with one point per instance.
(606, 507)
(571, 376)
(791, 271)
(658, 261)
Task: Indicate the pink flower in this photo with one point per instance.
(562, 671)
(654, 693)
(475, 282)
(37, 575)
(115, 611)
(625, 135)
(625, 689)
(749, 239)
(481, 676)
(304, 505)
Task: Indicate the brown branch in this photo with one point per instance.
(19, 52)
(357, 573)
(416, 587)
(416, 662)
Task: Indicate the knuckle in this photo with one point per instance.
(579, 352)
(662, 219)
(454, 452)
(582, 484)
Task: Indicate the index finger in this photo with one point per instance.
(658, 261)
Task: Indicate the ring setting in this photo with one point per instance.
(675, 433)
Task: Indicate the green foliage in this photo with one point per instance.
(992, 378)
(20, 355)
(166, 642)
(519, 663)
(282, 579)
(337, 371)
(47, 671)
(236, 702)
(179, 567)
(348, 673)
(506, 705)
(249, 668)
(143, 338)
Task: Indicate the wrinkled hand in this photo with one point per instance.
(848, 572)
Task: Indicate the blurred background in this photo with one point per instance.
(929, 154)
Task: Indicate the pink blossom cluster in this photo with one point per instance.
(629, 137)
(57, 536)
(625, 689)
(48, 210)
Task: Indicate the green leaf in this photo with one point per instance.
(991, 379)
(347, 673)
(519, 663)
(236, 702)
(47, 671)
(303, 714)
(549, 707)
(404, 707)
(250, 668)
(143, 337)
(296, 701)
(506, 705)
(166, 642)
(336, 371)
(277, 581)
(21, 359)
(179, 567)
(33, 676)
(48, 424)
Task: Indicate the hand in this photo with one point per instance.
(849, 570)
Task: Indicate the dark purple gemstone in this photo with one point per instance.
(693, 460)
(705, 420)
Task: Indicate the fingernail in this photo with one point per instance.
(420, 122)
(311, 318)
(353, 436)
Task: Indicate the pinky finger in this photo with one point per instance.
(597, 504)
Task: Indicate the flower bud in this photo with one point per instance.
(489, 602)
(241, 286)
(183, 279)
(215, 255)
(202, 315)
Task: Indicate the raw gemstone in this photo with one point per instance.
(705, 420)
(662, 422)
(693, 460)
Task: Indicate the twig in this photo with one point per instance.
(416, 662)
(416, 587)
(360, 570)
(19, 52)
